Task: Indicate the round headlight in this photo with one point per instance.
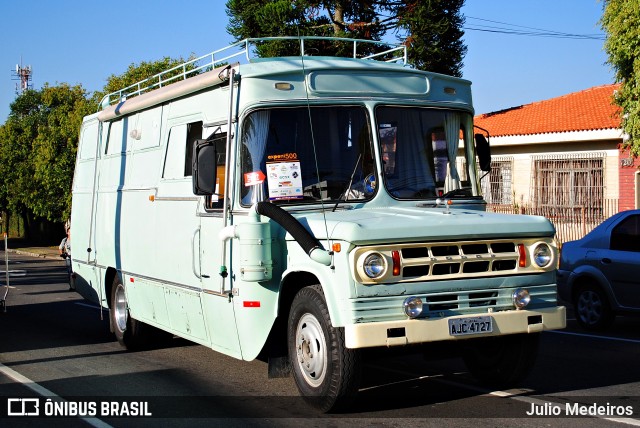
(412, 306)
(542, 255)
(521, 298)
(374, 265)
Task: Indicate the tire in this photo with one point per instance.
(592, 309)
(326, 373)
(502, 362)
(131, 333)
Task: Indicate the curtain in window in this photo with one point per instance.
(412, 170)
(255, 138)
(452, 134)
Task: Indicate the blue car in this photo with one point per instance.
(600, 273)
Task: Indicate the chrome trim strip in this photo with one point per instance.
(149, 278)
(175, 198)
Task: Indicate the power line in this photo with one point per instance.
(521, 30)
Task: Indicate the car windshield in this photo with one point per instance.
(427, 153)
(280, 162)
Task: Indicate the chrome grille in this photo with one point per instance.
(431, 261)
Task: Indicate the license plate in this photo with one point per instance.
(466, 326)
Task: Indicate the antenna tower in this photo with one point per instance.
(23, 74)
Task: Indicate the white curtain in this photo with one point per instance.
(452, 134)
(255, 138)
(412, 170)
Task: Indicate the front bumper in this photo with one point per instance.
(423, 330)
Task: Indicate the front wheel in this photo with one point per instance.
(503, 361)
(326, 372)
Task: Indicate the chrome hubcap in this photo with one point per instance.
(311, 350)
(120, 308)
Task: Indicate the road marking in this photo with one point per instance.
(14, 272)
(617, 339)
(502, 394)
(44, 392)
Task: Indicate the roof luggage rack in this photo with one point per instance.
(245, 49)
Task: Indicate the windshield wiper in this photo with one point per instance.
(344, 194)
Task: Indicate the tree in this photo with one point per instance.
(433, 34)
(38, 149)
(16, 144)
(54, 150)
(431, 30)
(621, 22)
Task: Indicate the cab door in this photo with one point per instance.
(217, 302)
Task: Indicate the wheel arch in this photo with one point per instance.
(275, 349)
(109, 276)
(588, 275)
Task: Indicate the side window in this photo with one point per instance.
(215, 201)
(175, 157)
(194, 132)
(180, 150)
(116, 142)
(626, 235)
(89, 140)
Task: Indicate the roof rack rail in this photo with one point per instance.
(244, 48)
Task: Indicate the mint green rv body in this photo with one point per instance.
(190, 268)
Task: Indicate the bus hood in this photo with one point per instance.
(376, 226)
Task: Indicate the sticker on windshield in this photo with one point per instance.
(284, 177)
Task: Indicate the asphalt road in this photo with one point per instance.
(55, 346)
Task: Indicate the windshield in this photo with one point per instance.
(427, 153)
(281, 164)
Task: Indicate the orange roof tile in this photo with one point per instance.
(588, 110)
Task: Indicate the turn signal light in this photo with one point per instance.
(522, 260)
(395, 256)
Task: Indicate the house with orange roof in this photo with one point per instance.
(564, 152)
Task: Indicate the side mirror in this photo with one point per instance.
(484, 152)
(204, 167)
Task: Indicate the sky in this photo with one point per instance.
(85, 42)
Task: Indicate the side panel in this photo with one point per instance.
(87, 282)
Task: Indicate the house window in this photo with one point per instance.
(497, 185)
(571, 181)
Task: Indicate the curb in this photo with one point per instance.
(32, 254)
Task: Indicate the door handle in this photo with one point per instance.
(606, 261)
(193, 253)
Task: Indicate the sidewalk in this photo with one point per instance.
(45, 252)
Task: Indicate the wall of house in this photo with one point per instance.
(523, 155)
(629, 178)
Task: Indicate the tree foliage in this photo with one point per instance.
(431, 30)
(38, 150)
(621, 22)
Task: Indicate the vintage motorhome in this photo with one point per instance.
(304, 208)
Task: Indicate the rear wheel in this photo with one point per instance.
(592, 308)
(503, 361)
(326, 372)
(131, 333)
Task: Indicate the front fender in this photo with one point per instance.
(335, 281)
